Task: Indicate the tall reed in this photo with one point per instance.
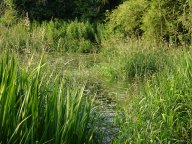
(36, 110)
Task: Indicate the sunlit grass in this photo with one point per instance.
(161, 110)
(36, 110)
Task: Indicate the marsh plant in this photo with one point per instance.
(161, 110)
(36, 110)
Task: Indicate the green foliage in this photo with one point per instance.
(80, 37)
(8, 15)
(127, 18)
(164, 20)
(88, 9)
(44, 9)
(167, 20)
(37, 110)
(60, 36)
(161, 111)
(74, 36)
(62, 9)
(141, 65)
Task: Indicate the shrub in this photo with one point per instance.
(58, 36)
(74, 36)
(8, 15)
(165, 20)
(127, 18)
(168, 20)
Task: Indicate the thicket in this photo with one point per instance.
(60, 36)
(159, 20)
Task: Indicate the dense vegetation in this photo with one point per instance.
(165, 20)
(37, 110)
(64, 63)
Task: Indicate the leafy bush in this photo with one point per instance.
(168, 20)
(8, 15)
(80, 37)
(165, 20)
(60, 36)
(127, 18)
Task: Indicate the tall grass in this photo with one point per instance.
(34, 109)
(160, 111)
(38, 107)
